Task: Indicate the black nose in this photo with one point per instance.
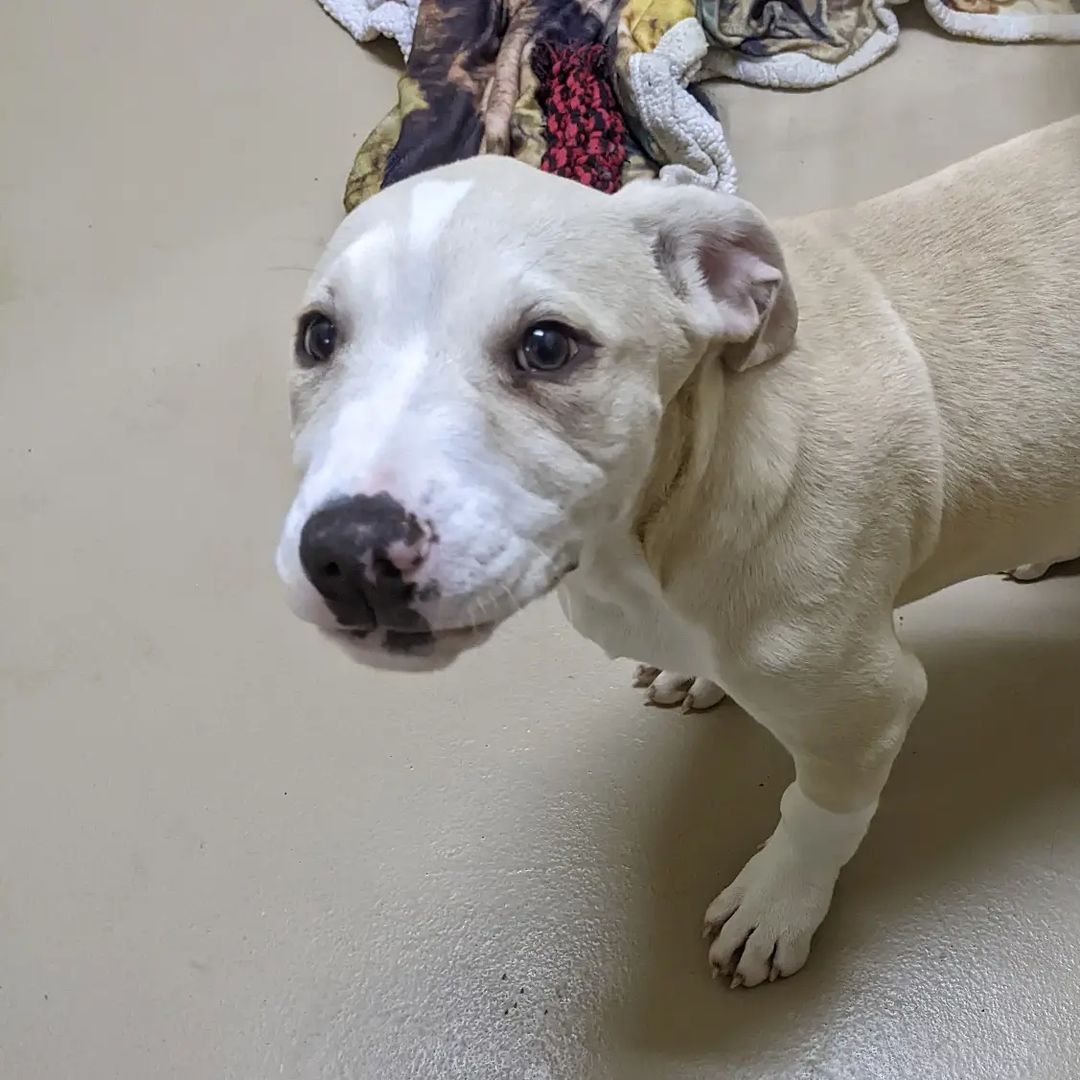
(355, 550)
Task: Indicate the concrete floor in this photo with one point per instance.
(227, 853)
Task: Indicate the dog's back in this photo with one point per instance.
(980, 264)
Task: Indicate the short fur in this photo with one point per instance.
(783, 435)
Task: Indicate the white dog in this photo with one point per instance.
(506, 382)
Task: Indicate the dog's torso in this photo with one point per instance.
(754, 444)
(982, 265)
(925, 429)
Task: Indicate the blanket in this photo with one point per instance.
(604, 91)
(1008, 20)
(596, 90)
(795, 44)
(801, 44)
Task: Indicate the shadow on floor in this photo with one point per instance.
(998, 734)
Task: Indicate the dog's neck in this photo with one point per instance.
(724, 461)
(720, 476)
(706, 501)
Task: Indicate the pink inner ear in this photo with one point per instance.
(741, 283)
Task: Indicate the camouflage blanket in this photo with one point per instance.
(514, 76)
(606, 90)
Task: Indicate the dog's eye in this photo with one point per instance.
(546, 347)
(317, 338)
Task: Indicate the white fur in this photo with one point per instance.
(432, 204)
(763, 922)
(606, 600)
(362, 441)
(374, 248)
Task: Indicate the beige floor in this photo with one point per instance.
(225, 853)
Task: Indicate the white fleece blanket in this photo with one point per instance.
(369, 19)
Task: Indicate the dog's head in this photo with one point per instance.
(482, 360)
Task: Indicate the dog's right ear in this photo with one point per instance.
(723, 262)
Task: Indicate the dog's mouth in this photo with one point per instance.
(411, 650)
(412, 643)
(396, 640)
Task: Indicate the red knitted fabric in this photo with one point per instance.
(585, 127)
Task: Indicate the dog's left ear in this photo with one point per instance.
(723, 263)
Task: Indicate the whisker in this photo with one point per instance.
(478, 608)
(515, 604)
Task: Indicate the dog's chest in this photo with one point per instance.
(614, 600)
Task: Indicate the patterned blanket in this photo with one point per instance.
(558, 84)
(604, 90)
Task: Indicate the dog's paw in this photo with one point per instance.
(645, 675)
(761, 925)
(1030, 571)
(669, 688)
(703, 694)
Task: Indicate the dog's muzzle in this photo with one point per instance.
(360, 571)
(363, 555)
(377, 579)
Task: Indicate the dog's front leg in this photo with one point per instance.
(842, 712)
